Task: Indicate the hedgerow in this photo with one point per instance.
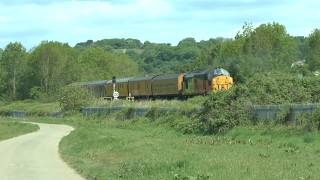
(224, 110)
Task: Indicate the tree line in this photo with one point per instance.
(43, 70)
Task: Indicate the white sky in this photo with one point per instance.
(31, 21)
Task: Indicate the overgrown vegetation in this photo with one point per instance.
(72, 98)
(224, 110)
(9, 129)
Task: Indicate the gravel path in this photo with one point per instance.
(35, 156)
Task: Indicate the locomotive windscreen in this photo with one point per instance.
(218, 72)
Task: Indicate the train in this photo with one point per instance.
(162, 86)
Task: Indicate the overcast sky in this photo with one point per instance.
(31, 21)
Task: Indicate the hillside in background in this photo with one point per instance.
(153, 58)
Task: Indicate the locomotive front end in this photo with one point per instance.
(220, 80)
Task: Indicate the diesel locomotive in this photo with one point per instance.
(165, 86)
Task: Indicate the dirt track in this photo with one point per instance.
(35, 156)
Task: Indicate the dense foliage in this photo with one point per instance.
(72, 98)
(253, 50)
(43, 70)
(224, 110)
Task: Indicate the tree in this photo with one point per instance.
(13, 60)
(2, 87)
(272, 42)
(187, 42)
(210, 53)
(119, 43)
(1, 51)
(121, 65)
(96, 64)
(52, 65)
(313, 50)
(302, 44)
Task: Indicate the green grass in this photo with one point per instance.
(191, 103)
(36, 107)
(9, 129)
(29, 106)
(107, 149)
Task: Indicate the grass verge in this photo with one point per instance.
(9, 129)
(107, 149)
(30, 107)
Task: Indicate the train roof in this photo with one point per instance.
(123, 80)
(141, 78)
(166, 76)
(200, 75)
(120, 80)
(99, 82)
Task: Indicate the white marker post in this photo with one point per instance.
(115, 94)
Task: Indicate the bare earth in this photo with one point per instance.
(35, 156)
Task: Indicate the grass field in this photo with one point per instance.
(9, 129)
(29, 106)
(109, 149)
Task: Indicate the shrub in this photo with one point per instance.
(222, 111)
(72, 98)
(36, 93)
(277, 88)
(41, 96)
(312, 86)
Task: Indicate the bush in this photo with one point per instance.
(312, 86)
(39, 95)
(222, 111)
(276, 88)
(72, 98)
